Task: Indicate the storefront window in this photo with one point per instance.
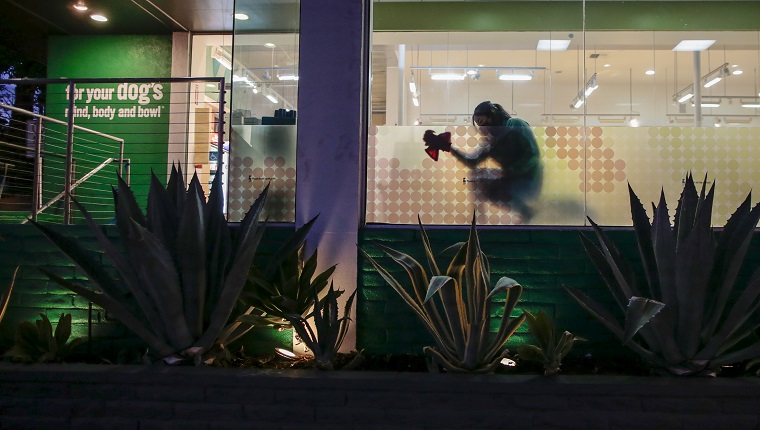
(607, 108)
(264, 105)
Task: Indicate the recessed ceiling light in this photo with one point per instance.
(649, 72)
(269, 45)
(693, 45)
(241, 16)
(80, 6)
(738, 72)
(608, 65)
(98, 17)
(552, 45)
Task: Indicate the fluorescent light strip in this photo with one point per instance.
(517, 77)
(447, 76)
(713, 81)
(693, 45)
(751, 105)
(287, 77)
(272, 98)
(685, 97)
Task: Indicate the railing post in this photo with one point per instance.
(37, 181)
(121, 158)
(69, 156)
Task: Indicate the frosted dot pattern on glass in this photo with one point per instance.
(586, 173)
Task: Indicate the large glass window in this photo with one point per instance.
(264, 104)
(606, 107)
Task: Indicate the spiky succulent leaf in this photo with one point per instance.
(640, 311)
(5, 294)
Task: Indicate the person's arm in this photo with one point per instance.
(472, 159)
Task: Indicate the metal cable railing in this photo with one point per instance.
(132, 126)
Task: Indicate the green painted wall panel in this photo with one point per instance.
(566, 16)
(146, 138)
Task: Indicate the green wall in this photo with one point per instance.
(146, 138)
(566, 15)
(542, 260)
(33, 293)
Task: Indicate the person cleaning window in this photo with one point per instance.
(511, 144)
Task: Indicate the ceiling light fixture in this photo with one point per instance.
(716, 75)
(98, 17)
(693, 45)
(271, 97)
(241, 16)
(708, 80)
(448, 76)
(685, 94)
(552, 45)
(222, 56)
(649, 72)
(412, 85)
(589, 88)
(514, 76)
(709, 104)
(415, 99)
(751, 103)
(80, 6)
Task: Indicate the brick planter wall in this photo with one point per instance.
(541, 259)
(25, 246)
(141, 398)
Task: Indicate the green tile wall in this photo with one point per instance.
(33, 293)
(542, 260)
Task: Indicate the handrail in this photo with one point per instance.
(68, 177)
(73, 186)
(58, 121)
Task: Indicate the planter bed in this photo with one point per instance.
(63, 396)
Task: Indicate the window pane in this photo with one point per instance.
(608, 108)
(264, 76)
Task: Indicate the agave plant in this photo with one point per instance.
(462, 337)
(286, 286)
(182, 270)
(37, 342)
(329, 327)
(688, 313)
(552, 346)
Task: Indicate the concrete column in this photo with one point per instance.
(697, 89)
(332, 128)
(178, 103)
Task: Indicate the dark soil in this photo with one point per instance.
(586, 365)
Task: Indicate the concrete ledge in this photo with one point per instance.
(136, 397)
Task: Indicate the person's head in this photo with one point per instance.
(489, 114)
